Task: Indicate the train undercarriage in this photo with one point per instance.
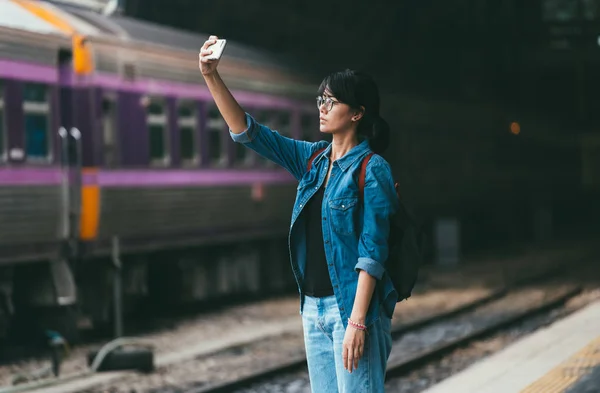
(100, 294)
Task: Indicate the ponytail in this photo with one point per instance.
(379, 139)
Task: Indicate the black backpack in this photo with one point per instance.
(405, 240)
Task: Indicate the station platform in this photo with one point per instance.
(561, 358)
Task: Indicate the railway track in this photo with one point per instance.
(418, 343)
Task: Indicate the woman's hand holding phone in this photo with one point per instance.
(210, 54)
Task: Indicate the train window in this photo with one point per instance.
(270, 119)
(36, 109)
(2, 127)
(109, 130)
(35, 92)
(214, 127)
(187, 122)
(186, 110)
(157, 128)
(284, 124)
(276, 120)
(241, 153)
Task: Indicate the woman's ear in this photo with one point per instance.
(358, 114)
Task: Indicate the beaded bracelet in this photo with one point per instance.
(356, 325)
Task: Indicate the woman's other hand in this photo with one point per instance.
(352, 348)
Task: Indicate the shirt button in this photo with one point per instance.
(326, 241)
(316, 188)
(300, 205)
(343, 206)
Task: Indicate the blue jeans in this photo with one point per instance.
(323, 338)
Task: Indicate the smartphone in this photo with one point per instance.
(217, 49)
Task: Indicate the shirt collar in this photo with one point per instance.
(349, 158)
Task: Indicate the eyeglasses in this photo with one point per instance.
(329, 103)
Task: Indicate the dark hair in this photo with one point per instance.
(356, 89)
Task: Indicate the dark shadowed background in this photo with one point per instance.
(493, 104)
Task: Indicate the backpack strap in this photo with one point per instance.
(312, 158)
(362, 175)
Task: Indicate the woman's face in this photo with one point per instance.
(334, 116)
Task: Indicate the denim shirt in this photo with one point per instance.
(354, 234)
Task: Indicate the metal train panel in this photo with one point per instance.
(141, 60)
(141, 32)
(205, 212)
(22, 48)
(178, 68)
(30, 216)
(105, 62)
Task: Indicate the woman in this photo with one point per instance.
(338, 241)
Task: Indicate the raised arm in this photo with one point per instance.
(231, 111)
(291, 154)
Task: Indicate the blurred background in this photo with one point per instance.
(122, 191)
(493, 104)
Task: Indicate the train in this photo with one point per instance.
(114, 155)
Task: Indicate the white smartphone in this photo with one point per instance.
(217, 49)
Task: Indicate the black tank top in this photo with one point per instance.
(316, 276)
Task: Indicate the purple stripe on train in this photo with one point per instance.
(145, 178)
(10, 69)
(148, 178)
(30, 176)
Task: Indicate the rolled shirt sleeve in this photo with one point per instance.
(380, 202)
(248, 134)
